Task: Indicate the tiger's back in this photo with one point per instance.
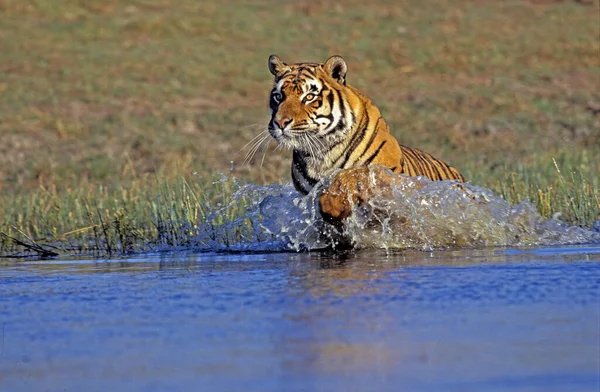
(330, 125)
(416, 162)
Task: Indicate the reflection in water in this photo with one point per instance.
(350, 327)
(485, 319)
(342, 328)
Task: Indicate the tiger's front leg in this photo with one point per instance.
(352, 187)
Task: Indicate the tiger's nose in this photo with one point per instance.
(282, 123)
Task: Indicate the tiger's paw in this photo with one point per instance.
(349, 188)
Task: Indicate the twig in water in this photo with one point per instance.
(32, 246)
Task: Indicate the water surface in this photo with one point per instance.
(462, 320)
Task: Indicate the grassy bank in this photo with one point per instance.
(107, 105)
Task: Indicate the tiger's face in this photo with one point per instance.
(306, 113)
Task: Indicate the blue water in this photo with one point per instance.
(460, 320)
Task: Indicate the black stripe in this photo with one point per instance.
(298, 185)
(306, 67)
(372, 157)
(329, 116)
(437, 171)
(304, 73)
(407, 167)
(416, 162)
(434, 164)
(446, 171)
(457, 175)
(330, 98)
(284, 75)
(425, 163)
(299, 163)
(342, 123)
(410, 158)
(372, 138)
(444, 168)
(357, 137)
(339, 127)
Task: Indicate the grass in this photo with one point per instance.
(107, 105)
(143, 217)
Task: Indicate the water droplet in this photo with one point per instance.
(421, 214)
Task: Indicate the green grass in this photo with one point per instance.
(142, 217)
(106, 105)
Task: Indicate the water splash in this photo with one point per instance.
(418, 213)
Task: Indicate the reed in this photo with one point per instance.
(191, 212)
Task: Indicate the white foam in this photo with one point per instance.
(418, 214)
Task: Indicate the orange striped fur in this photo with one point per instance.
(330, 125)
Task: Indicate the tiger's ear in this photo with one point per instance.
(276, 66)
(336, 67)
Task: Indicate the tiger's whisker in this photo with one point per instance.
(256, 147)
(264, 154)
(254, 139)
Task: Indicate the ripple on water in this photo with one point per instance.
(453, 320)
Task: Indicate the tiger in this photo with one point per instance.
(330, 125)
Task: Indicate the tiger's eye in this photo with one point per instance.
(277, 96)
(309, 97)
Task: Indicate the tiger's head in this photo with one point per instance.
(307, 109)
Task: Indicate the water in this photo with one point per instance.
(413, 213)
(518, 319)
